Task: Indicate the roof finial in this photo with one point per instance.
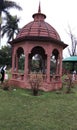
(39, 9)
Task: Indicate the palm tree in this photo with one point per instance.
(10, 28)
(4, 6)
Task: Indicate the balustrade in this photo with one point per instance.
(18, 76)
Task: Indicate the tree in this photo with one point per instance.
(72, 51)
(10, 28)
(5, 56)
(5, 5)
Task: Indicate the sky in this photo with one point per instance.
(59, 14)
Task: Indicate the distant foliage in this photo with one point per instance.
(5, 56)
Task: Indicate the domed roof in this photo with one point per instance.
(38, 27)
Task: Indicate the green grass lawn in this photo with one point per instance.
(20, 110)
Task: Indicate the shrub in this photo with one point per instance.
(68, 82)
(6, 86)
(35, 82)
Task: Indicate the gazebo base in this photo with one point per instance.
(50, 86)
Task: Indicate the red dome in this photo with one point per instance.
(38, 27)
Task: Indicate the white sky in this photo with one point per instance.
(59, 14)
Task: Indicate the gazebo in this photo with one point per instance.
(71, 59)
(37, 41)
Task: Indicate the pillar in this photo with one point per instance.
(57, 65)
(60, 65)
(26, 67)
(48, 68)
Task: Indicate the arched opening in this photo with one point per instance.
(36, 63)
(19, 60)
(37, 59)
(54, 63)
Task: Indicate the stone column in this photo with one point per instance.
(60, 71)
(13, 62)
(26, 67)
(57, 65)
(16, 63)
(48, 68)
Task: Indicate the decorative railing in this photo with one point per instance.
(18, 76)
(55, 78)
(44, 77)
